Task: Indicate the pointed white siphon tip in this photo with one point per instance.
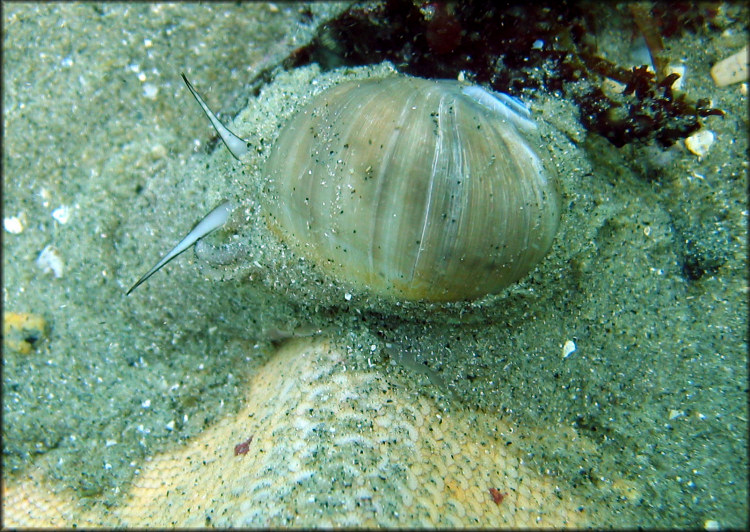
(212, 221)
(236, 146)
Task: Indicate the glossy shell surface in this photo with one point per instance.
(413, 189)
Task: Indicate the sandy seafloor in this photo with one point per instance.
(98, 122)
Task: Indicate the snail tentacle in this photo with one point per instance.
(236, 146)
(212, 221)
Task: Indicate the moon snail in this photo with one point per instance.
(407, 188)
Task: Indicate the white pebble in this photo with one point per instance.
(15, 224)
(568, 348)
(50, 260)
(674, 414)
(700, 142)
(712, 524)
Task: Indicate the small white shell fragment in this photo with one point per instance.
(62, 214)
(677, 69)
(700, 142)
(15, 224)
(568, 348)
(674, 414)
(732, 69)
(50, 260)
(711, 524)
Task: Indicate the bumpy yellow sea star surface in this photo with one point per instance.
(320, 444)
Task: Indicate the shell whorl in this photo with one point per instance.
(412, 189)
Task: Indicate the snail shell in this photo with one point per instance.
(415, 189)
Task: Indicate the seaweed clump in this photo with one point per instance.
(512, 47)
(646, 110)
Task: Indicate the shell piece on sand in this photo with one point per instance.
(732, 69)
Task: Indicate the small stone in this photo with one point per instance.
(674, 414)
(711, 524)
(15, 224)
(22, 331)
(700, 142)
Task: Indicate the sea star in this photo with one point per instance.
(320, 444)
